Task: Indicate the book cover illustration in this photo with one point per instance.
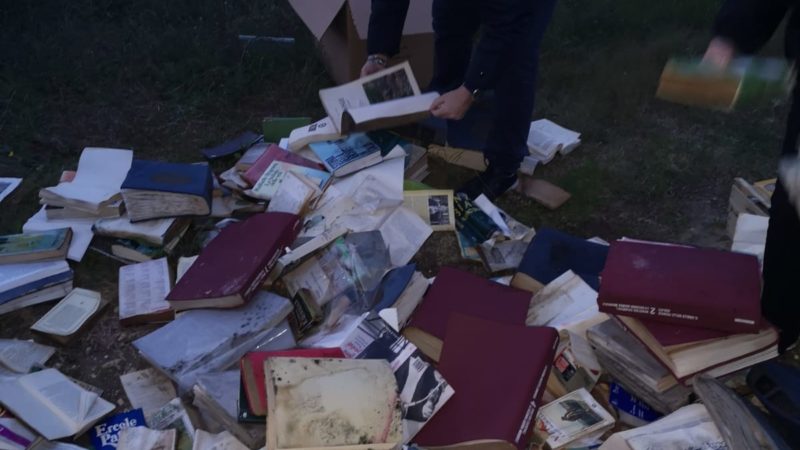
(42, 241)
(105, 435)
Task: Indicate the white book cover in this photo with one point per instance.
(101, 172)
(16, 275)
(70, 313)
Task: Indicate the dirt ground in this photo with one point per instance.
(168, 78)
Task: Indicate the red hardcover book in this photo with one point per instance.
(456, 291)
(252, 366)
(498, 387)
(235, 263)
(690, 286)
(275, 153)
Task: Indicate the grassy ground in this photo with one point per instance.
(169, 77)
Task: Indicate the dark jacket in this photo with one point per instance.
(504, 23)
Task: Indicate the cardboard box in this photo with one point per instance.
(341, 26)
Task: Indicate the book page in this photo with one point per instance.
(266, 186)
(70, 313)
(388, 84)
(62, 397)
(222, 441)
(7, 186)
(546, 138)
(293, 194)
(435, 207)
(22, 356)
(416, 105)
(404, 232)
(565, 300)
(147, 389)
(143, 438)
(322, 130)
(143, 288)
(184, 263)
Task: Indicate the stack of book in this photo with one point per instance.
(33, 269)
(121, 239)
(697, 311)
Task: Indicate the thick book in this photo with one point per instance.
(35, 246)
(252, 367)
(17, 280)
(105, 435)
(385, 99)
(45, 294)
(488, 405)
(70, 316)
(682, 285)
(716, 357)
(745, 81)
(233, 265)
(358, 151)
(455, 291)
(155, 189)
(305, 395)
(552, 252)
(275, 153)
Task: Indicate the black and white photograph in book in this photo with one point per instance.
(388, 87)
(438, 210)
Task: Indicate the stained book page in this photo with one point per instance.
(293, 194)
(22, 356)
(70, 313)
(143, 438)
(222, 441)
(148, 389)
(404, 232)
(143, 288)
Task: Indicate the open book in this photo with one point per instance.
(69, 316)
(52, 404)
(384, 99)
(546, 138)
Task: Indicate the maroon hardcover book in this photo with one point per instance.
(275, 153)
(668, 334)
(235, 263)
(499, 373)
(689, 286)
(456, 291)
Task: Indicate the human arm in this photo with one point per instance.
(744, 26)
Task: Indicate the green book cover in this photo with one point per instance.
(276, 128)
(36, 242)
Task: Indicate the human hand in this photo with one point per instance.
(372, 66)
(719, 53)
(452, 105)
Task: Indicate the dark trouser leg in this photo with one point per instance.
(455, 23)
(515, 93)
(780, 301)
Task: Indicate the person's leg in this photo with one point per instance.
(780, 300)
(455, 23)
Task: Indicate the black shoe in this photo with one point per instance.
(492, 183)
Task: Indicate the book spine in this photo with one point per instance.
(526, 427)
(716, 320)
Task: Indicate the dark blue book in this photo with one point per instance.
(552, 252)
(629, 403)
(231, 146)
(358, 151)
(155, 189)
(34, 286)
(105, 435)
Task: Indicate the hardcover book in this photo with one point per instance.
(155, 189)
(233, 265)
(486, 407)
(35, 246)
(105, 435)
(358, 151)
(268, 185)
(682, 285)
(272, 154)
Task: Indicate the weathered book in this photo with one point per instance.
(388, 98)
(455, 291)
(233, 265)
(155, 190)
(746, 81)
(546, 138)
(484, 407)
(147, 389)
(143, 288)
(575, 416)
(105, 435)
(434, 206)
(688, 427)
(204, 440)
(683, 286)
(216, 395)
(96, 184)
(157, 233)
(272, 154)
(181, 353)
(30, 283)
(332, 403)
(688, 351)
(65, 321)
(51, 404)
(251, 156)
(175, 415)
(252, 368)
(321, 130)
(231, 146)
(35, 246)
(358, 151)
(143, 438)
(423, 390)
(267, 186)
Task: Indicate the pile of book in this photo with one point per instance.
(302, 321)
